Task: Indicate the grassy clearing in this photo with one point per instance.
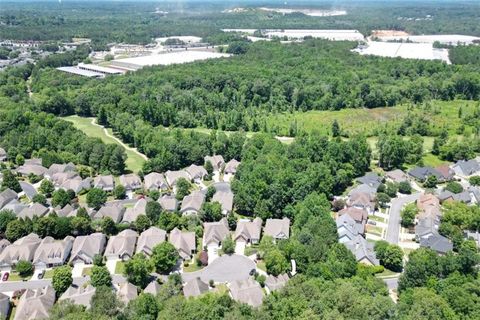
(14, 276)
(120, 267)
(134, 161)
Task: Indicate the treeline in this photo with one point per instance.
(469, 55)
(240, 92)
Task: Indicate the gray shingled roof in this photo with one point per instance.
(225, 198)
(277, 228)
(195, 287)
(215, 232)
(372, 179)
(122, 245)
(86, 247)
(468, 167)
(217, 161)
(168, 203)
(247, 291)
(422, 173)
(193, 202)
(437, 242)
(155, 181)
(35, 304)
(149, 239)
(79, 295)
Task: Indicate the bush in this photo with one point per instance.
(228, 246)
(24, 268)
(454, 187)
(475, 180)
(405, 187)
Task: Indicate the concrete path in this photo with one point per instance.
(397, 204)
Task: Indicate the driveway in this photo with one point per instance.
(226, 268)
(240, 247)
(78, 269)
(397, 204)
(212, 253)
(111, 264)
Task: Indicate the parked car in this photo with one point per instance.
(252, 272)
(372, 222)
(41, 275)
(5, 276)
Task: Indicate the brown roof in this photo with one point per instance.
(445, 170)
(355, 213)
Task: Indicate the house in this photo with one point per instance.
(81, 295)
(428, 204)
(60, 177)
(247, 291)
(396, 176)
(76, 184)
(86, 247)
(473, 235)
(438, 243)
(113, 210)
(7, 196)
(371, 179)
(248, 231)
(225, 198)
(466, 169)
(28, 190)
(121, 246)
(278, 229)
(36, 169)
(276, 283)
(359, 215)
(422, 173)
(168, 203)
(52, 253)
(153, 288)
(173, 176)
(131, 214)
(184, 242)
(346, 228)
(362, 250)
(106, 183)
(446, 172)
(67, 211)
(127, 292)
(464, 197)
(195, 287)
(474, 194)
(149, 239)
(16, 206)
(35, 210)
(3, 154)
(192, 203)
(155, 181)
(60, 168)
(130, 181)
(361, 200)
(216, 161)
(4, 306)
(215, 232)
(363, 189)
(35, 304)
(196, 173)
(22, 249)
(231, 167)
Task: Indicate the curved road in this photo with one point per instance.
(394, 219)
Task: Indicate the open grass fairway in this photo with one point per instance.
(134, 160)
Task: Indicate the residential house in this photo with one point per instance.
(106, 183)
(67, 211)
(446, 195)
(113, 210)
(247, 291)
(16, 206)
(22, 249)
(438, 243)
(216, 161)
(278, 229)
(346, 228)
(473, 235)
(248, 231)
(192, 203)
(3, 154)
(215, 232)
(28, 190)
(149, 239)
(131, 182)
(7, 196)
(396, 176)
(195, 287)
(4, 305)
(86, 247)
(81, 295)
(60, 168)
(466, 169)
(422, 173)
(196, 173)
(276, 283)
(474, 194)
(36, 169)
(52, 253)
(231, 167)
(225, 198)
(446, 172)
(168, 203)
(155, 181)
(35, 304)
(184, 242)
(121, 246)
(153, 288)
(127, 292)
(36, 209)
(131, 213)
(362, 250)
(371, 179)
(173, 176)
(361, 200)
(363, 189)
(359, 215)
(61, 177)
(76, 184)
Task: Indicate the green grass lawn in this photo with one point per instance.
(48, 274)
(192, 267)
(12, 313)
(376, 218)
(386, 273)
(14, 276)
(120, 267)
(134, 162)
(261, 265)
(87, 271)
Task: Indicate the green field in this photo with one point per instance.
(134, 161)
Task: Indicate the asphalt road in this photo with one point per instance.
(392, 283)
(394, 219)
(35, 284)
